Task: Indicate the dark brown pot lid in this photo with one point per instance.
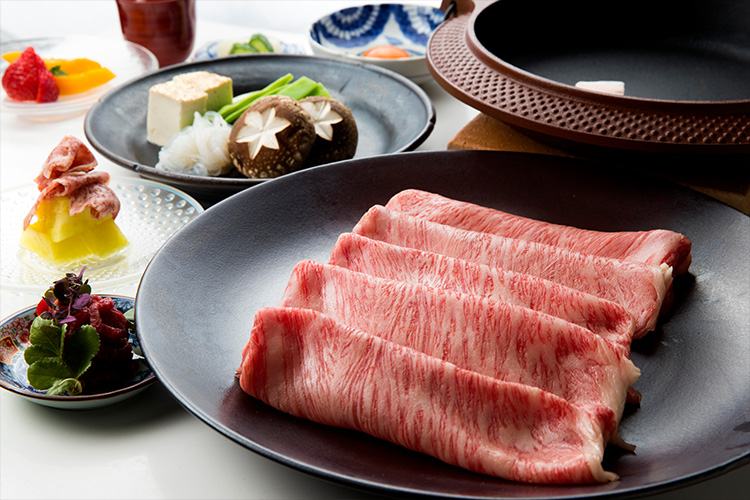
(464, 66)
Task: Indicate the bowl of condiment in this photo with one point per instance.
(393, 36)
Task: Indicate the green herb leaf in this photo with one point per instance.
(47, 335)
(45, 373)
(56, 363)
(80, 349)
(55, 70)
(34, 353)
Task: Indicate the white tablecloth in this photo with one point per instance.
(149, 447)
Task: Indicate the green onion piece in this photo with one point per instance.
(230, 112)
(298, 89)
(320, 90)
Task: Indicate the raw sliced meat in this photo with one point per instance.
(308, 365)
(494, 338)
(609, 320)
(69, 156)
(640, 288)
(69, 171)
(654, 247)
(98, 197)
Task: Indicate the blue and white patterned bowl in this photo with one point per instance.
(14, 339)
(352, 31)
(221, 48)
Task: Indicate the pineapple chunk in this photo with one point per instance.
(59, 238)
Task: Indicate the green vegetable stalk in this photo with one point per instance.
(298, 89)
(240, 103)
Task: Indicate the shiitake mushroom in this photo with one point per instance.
(277, 135)
(336, 134)
(272, 137)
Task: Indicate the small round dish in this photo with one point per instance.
(150, 212)
(14, 339)
(352, 31)
(282, 44)
(125, 59)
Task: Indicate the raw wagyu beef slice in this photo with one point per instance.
(653, 247)
(640, 288)
(606, 318)
(497, 339)
(306, 364)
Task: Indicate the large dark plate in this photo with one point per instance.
(239, 254)
(392, 113)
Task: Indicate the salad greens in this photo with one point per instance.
(57, 361)
(64, 345)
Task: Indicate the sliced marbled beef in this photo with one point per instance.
(640, 288)
(606, 318)
(654, 247)
(306, 364)
(497, 339)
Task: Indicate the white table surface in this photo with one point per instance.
(149, 447)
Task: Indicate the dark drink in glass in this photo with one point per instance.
(165, 27)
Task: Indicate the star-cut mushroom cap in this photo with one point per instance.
(272, 137)
(335, 129)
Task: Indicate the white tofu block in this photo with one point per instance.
(172, 105)
(606, 86)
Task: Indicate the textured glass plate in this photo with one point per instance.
(125, 59)
(150, 213)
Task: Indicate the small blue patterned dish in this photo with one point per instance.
(14, 339)
(222, 48)
(352, 31)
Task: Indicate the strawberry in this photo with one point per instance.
(48, 90)
(21, 78)
(28, 79)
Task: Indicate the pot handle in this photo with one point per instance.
(460, 7)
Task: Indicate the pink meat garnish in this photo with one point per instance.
(69, 171)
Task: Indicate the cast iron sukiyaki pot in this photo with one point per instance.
(685, 67)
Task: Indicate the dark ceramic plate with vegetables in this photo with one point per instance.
(692, 423)
(95, 366)
(392, 113)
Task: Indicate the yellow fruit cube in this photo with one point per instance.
(59, 238)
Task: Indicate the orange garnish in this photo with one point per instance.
(386, 52)
(81, 82)
(81, 74)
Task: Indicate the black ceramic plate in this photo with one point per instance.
(392, 113)
(239, 254)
